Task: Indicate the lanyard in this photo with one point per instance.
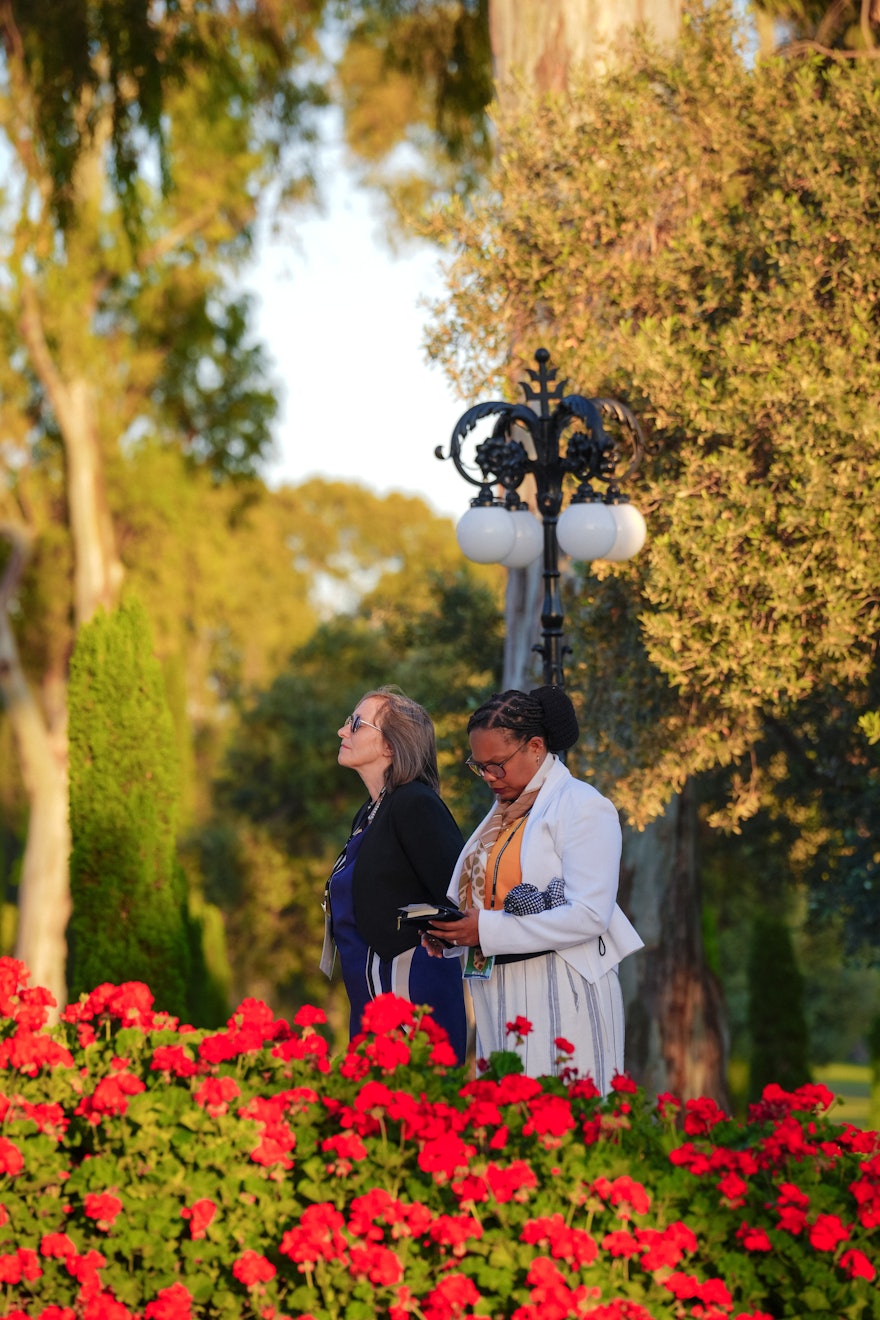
(501, 851)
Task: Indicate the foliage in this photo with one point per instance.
(129, 897)
(152, 1170)
(283, 805)
(89, 59)
(777, 1025)
(692, 234)
(415, 82)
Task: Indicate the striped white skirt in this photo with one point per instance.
(558, 1002)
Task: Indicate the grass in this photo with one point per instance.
(851, 1083)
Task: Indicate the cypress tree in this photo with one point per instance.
(780, 1045)
(129, 920)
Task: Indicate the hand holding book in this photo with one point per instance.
(423, 915)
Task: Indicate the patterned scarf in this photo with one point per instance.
(472, 882)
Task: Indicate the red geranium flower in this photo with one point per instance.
(733, 1189)
(663, 1249)
(11, 1158)
(621, 1243)
(387, 1013)
(621, 1082)
(316, 1236)
(702, 1115)
(21, 1264)
(520, 1026)
(173, 1059)
(550, 1115)
(199, 1214)
(379, 1264)
(172, 1303)
(85, 1270)
(346, 1146)
(110, 1096)
(623, 1191)
(251, 1268)
(103, 1206)
(104, 1306)
(215, 1094)
(444, 1155)
(827, 1233)
(754, 1239)
(29, 1051)
(454, 1231)
(56, 1244)
(513, 1182)
(308, 1016)
(857, 1265)
(452, 1294)
(387, 1053)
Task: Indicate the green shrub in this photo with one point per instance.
(129, 919)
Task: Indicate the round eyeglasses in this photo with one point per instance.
(495, 769)
(356, 721)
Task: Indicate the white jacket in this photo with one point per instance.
(572, 832)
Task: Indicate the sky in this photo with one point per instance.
(340, 318)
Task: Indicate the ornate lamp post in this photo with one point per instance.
(597, 524)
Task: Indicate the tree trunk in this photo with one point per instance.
(41, 741)
(98, 570)
(44, 889)
(676, 1038)
(544, 42)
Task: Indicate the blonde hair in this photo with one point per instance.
(409, 731)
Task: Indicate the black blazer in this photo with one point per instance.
(407, 856)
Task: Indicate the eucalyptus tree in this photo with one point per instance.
(138, 141)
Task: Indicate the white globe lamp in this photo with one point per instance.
(486, 533)
(586, 530)
(631, 531)
(528, 542)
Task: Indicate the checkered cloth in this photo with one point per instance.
(528, 900)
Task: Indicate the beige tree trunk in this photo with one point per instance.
(541, 42)
(676, 1039)
(40, 730)
(40, 734)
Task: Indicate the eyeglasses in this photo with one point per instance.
(356, 721)
(495, 769)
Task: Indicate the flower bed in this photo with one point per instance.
(148, 1169)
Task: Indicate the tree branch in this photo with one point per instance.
(803, 47)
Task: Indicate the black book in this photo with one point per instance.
(423, 915)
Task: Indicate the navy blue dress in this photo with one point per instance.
(412, 974)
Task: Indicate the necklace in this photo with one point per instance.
(373, 808)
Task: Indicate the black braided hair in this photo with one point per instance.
(545, 712)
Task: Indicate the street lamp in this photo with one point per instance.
(596, 524)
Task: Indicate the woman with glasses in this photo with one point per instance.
(542, 934)
(402, 849)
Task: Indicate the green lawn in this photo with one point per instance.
(852, 1083)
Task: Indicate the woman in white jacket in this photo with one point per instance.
(542, 934)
